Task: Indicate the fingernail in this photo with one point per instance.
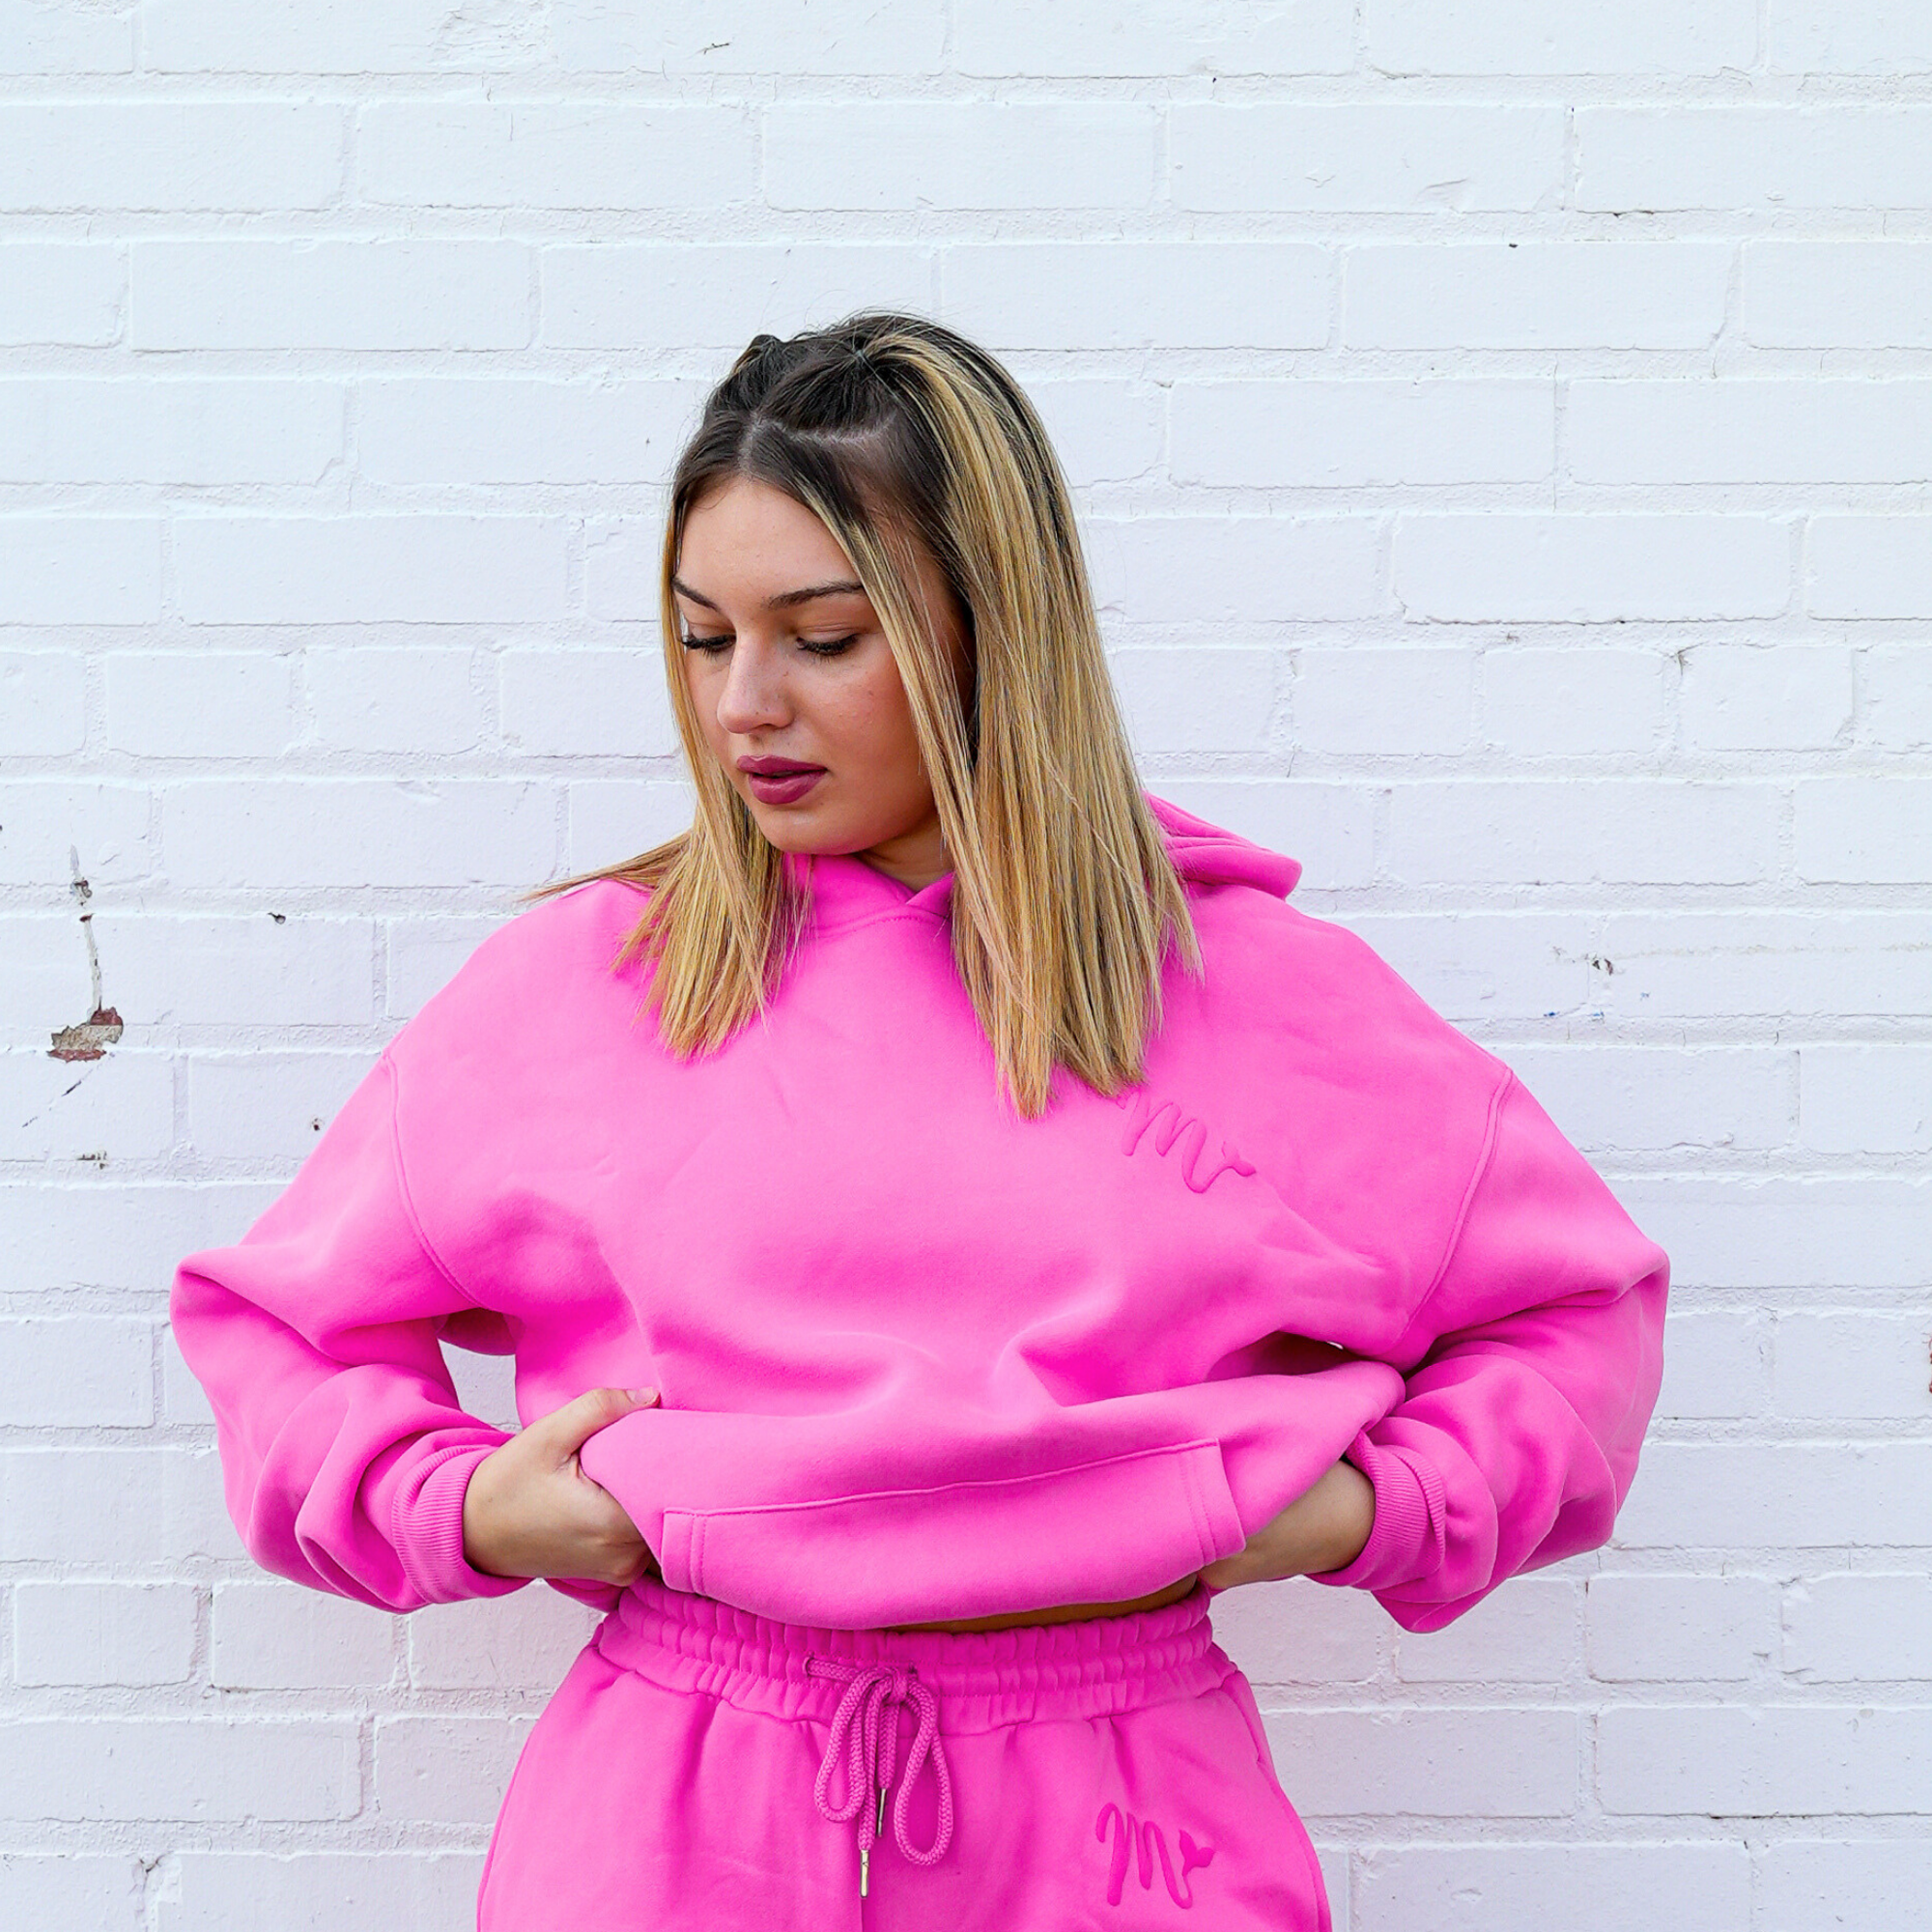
(641, 1396)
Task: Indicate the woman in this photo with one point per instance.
(950, 1216)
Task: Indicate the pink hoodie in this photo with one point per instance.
(921, 1358)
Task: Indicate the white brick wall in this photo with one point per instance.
(1504, 433)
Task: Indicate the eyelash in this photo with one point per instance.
(831, 647)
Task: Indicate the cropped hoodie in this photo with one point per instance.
(922, 1358)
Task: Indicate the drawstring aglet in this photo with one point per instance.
(865, 1871)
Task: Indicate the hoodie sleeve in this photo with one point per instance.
(1515, 1439)
(344, 1449)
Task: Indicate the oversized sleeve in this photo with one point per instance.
(1515, 1439)
(344, 1449)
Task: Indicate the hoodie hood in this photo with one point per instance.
(1207, 855)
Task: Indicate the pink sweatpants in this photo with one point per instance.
(701, 1767)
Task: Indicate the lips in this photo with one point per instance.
(776, 768)
(779, 780)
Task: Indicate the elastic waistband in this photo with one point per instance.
(983, 1680)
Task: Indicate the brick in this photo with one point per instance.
(200, 704)
(1665, 1629)
(332, 294)
(686, 37)
(1853, 1363)
(1863, 1098)
(1536, 295)
(170, 1768)
(1529, 1634)
(1563, 703)
(84, 1506)
(1662, 1098)
(583, 703)
(1330, 828)
(549, 153)
(1848, 36)
(1517, 567)
(43, 703)
(323, 1892)
(421, 955)
(1897, 684)
(371, 569)
(247, 834)
(80, 570)
(71, 1888)
(1787, 1496)
(43, 822)
(264, 1106)
(79, 430)
(663, 296)
(1519, 36)
(1346, 435)
(1197, 698)
(247, 969)
(104, 1633)
(67, 293)
(1869, 566)
(1382, 702)
(1298, 1633)
(1592, 1888)
(196, 1523)
(615, 819)
(1859, 1630)
(1157, 40)
(183, 1399)
(39, 39)
(445, 1769)
(73, 1372)
(283, 37)
(1582, 832)
(1815, 1885)
(446, 430)
(273, 1636)
(486, 1387)
(1139, 294)
(1102, 431)
(1244, 570)
(1476, 966)
(1736, 698)
(376, 699)
(1383, 157)
(170, 155)
(1717, 1366)
(43, 977)
(1835, 294)
(110, 1110)
(622, 560)
(525, 1641)
(1765, 1762)
(1436, 1763)
(92, 1235)
(979, 154)
(1874, 830)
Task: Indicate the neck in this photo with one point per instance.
(914, 858)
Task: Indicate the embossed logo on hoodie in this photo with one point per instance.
(1172, 1131)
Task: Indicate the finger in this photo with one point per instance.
(566, 1430)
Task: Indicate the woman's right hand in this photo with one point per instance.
(530, 1511)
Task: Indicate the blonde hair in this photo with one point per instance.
(896, 431)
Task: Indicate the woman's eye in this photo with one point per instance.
(695, 643)
(829, 648)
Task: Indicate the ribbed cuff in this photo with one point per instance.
(1400, 1540)
(428, 1526)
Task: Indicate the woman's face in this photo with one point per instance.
(796, 687)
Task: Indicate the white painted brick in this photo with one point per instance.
(267, 1106)
(1519, 36)
(1132, 294)
(342, 1891)
(275, 1636)
(1848, 36)
(103, 1111)
(979, 154)
(1471, 966)
(196, 1523)
(253, 970)
(183, 1397)
(525, 1641)
(100, 1892)
(445, 1769)
(1853, 1363)
(1160, 38)
(200, 704)
(80, 570)
(1581, 1887)
(547, 154)
(1346, 435)
(1195, 699)
(1334, 1860)
(1722, 1761)
(1831, 294)
(1244, 570)
(43, 703)
(615, 819)
(1716, 1365)
(686, 37)
(89, 1234)
(1858, 1629)
(103, 1507)
(1528, 1633)
(170, 155)
(70, 39)
(1581, 831)
(1665, 1629)
(1395, 158)
(71, 1371)
(486, 1387)
(1663, 1098)
(1535, 294)
(1300, 1632)
(1386, 702)
(61, 292)
(621, 560)
(278, 37)
(43, 977)
(421, 956)
(1437, 1763)
(1876, 829)
(1101, 432)
(583, 703)
(1790, 1495)
(1863, 1098)
(1559, 703)
(332, 294)
(1869, 566)
(191, 1769)
(104, 1633)
(1786, 697)
(1820, 1885)
(273, 835)
(1898, 685)
(42, 823)
(370, 569)
(76, 430)
(653, 294)
(1330, 828)
(376, 699)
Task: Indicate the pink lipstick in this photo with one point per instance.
(779, 780)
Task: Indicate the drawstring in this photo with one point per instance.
(866, 1726)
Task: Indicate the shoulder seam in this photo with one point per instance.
(1485, 1155)
(403, 1188)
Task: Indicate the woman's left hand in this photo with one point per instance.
(1323, 1528)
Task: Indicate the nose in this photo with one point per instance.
(752, 696)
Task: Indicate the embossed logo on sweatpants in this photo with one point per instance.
(1141, 1842)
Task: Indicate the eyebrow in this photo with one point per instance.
(842, 586)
